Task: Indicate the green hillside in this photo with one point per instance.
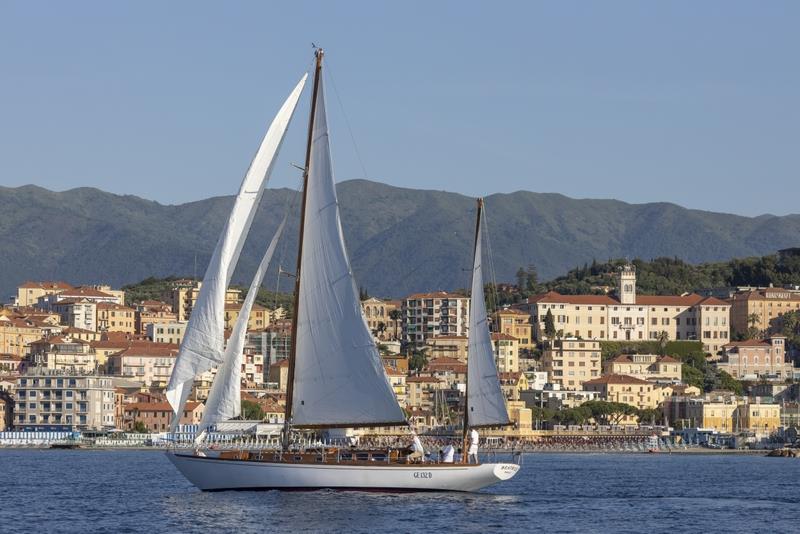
(400, 240)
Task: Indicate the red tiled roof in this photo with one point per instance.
(557, 298)
(45, 285)
(498, 336)
(436, 295)
(616, 379)
(112, 306)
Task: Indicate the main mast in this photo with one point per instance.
(287, 424)
(464, 456)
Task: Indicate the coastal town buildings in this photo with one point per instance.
(54, 400)
(570, 362)
(152, 311)
(506, 352)
(515, 323)
(425, 315)
(150, 364)
(258, 319)
(631, 317)
(166, 332)
(646, 366)
(723, 413)
(760, 308)
(116, 318)
(157, 416)
(64, 354)
(383, 317)
(756, 358)
(447, 347)
(636, 392)
(183, 297)
(28, 293)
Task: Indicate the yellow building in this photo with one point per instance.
(759, 308)
(259, 316)
(16, 334)
(645, 366)
(420, 390)
(28, 293)
(515, 323)
(636, 392)
(725, 413)
(513, 384)
(378, 314)
(116, 318)
(571, 362)
(183, 297)
(447, 347)
(632, 317)
(506, 352)
(763, 418)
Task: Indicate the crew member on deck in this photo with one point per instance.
(473, 446)
(417, 450)
(448, 453)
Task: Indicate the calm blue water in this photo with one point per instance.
(127, 491)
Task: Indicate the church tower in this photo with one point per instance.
(626, 284)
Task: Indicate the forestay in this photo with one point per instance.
(339, 379)
(202, 346)
(224, 399)
(484, 397)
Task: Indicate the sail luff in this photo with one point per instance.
(485, 401)
(224, 399)
(202, 346)
(339, 379)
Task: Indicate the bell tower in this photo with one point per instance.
(626, 284)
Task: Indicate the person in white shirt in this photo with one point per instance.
(417, 450)
(448, 453)
(473, 446)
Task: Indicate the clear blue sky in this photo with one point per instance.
(688, 102)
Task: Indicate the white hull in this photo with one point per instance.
(212, 474)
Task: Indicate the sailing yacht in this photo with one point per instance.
(336, 378)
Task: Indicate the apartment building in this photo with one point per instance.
(571, 362)
(515, 323)
(149, 363)
(184, 293)
(757, 358)
(447, 347)
(63, 354)
(52, 400)
(723, 413)
(17, 333)
(152, 311)
(167, 332)
(379, 316)
(646, 366)
(636, 392)
(260, 317)
(28, 294)
(632, 317)
(506, 352)
(426, 315)
(116, 318)
(759, 308)
(77, 312)
(157, 416)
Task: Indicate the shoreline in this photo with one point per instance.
(666, 452)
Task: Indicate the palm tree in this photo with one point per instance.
(395, 315)
(663, 338)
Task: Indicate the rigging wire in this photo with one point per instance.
(290, 207)
(328, 71)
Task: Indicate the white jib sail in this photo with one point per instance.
(202, 346)
(224, 399)
(339, 379)
(485, 399)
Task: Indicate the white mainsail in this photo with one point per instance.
(224, 399)
(485, 400)
(202, 346)
(338, 379)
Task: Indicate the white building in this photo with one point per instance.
(440, 313)
(48, 400)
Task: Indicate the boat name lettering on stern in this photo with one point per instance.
(423, 474)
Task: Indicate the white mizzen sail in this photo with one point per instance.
(224, 399)
(485, 400)
(338, 379)
(202, 346)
